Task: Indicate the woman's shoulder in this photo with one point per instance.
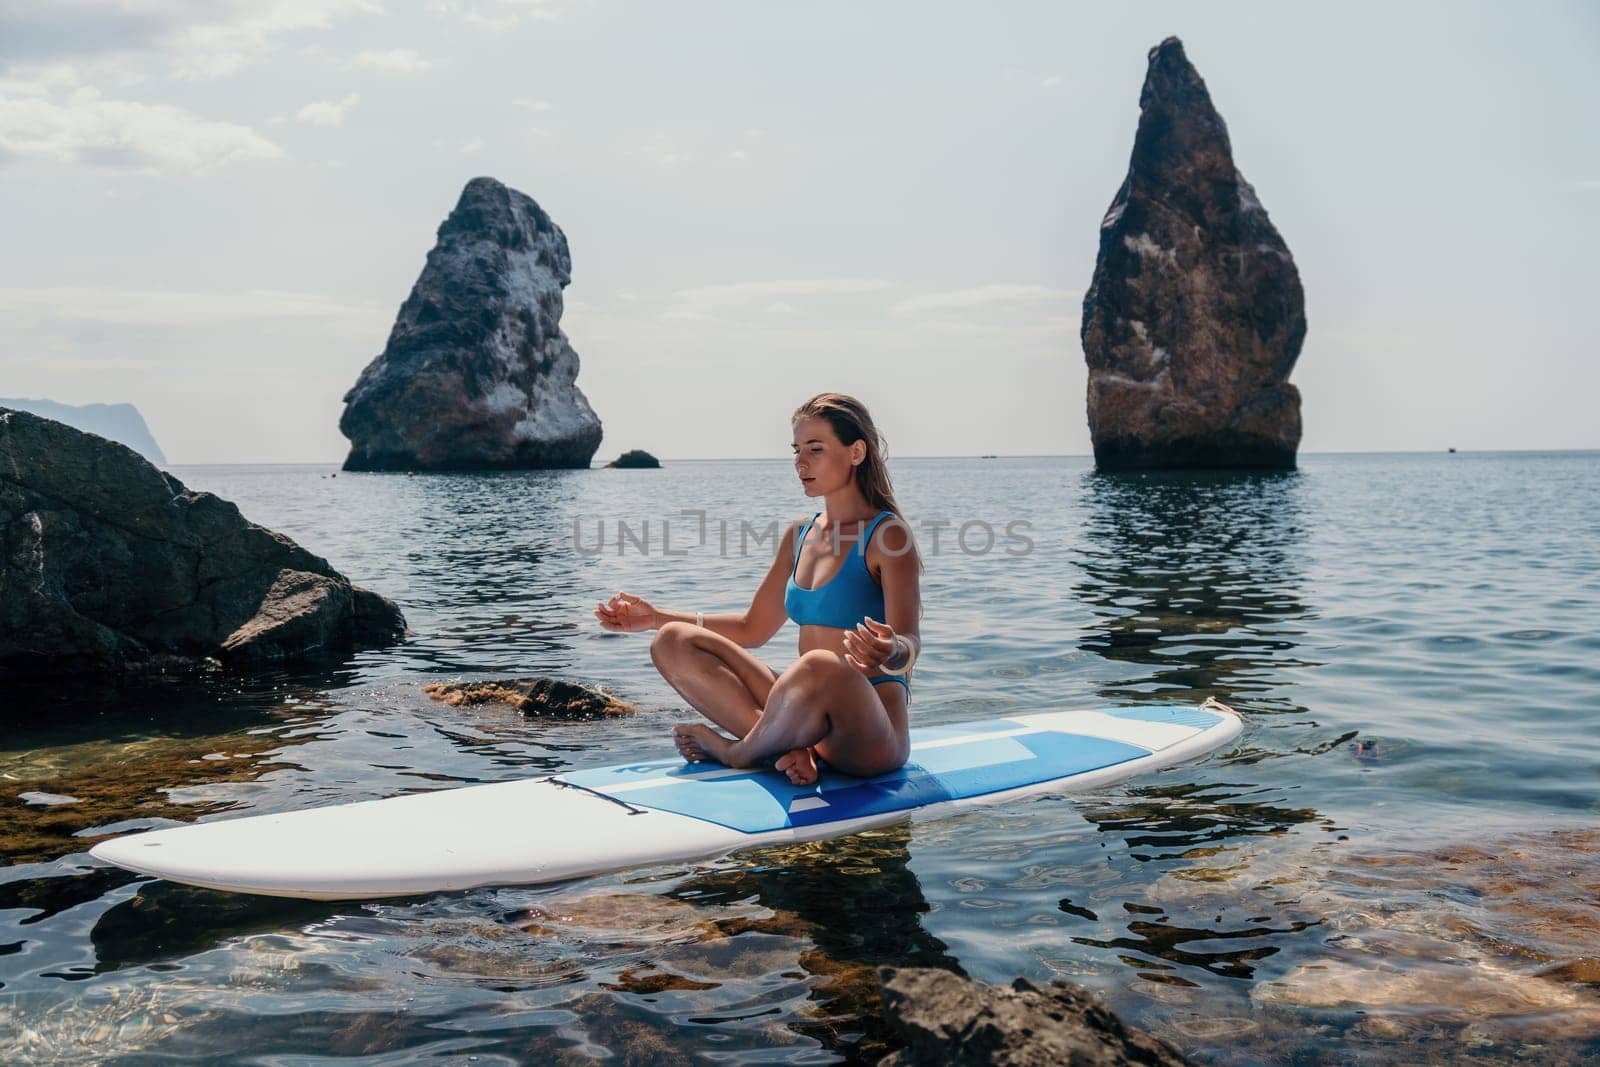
(791, 533)
(891, 534)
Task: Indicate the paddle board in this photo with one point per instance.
(591, 821)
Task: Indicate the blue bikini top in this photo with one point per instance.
(845, 598)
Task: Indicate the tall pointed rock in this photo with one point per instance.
(477, 374)
(1195, 316)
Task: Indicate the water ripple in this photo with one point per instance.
(1412, 639)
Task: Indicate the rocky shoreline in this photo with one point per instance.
(946, 1020)
(113, 566)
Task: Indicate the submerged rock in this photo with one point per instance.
(635, 457)
(477, 374)
(946, 1019)
(1495, 935)
(543, 698)
(110, 564)
(1195, 316)
(774, 925)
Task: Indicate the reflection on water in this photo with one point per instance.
(486, 557)
(1201, 830)
(165, 921)
(858, 903)
(1178, 821)
(1196, 581)
(1384, 864)
(1166, 941)
(130, 763)
(777, 952)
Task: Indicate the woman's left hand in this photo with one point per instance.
(868, 645)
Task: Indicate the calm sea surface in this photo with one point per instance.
(1398, 858)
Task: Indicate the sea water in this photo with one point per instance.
(1398, 857)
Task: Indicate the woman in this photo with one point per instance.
(856, 598)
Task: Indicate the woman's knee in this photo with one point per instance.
(670, 637)
(813, 671)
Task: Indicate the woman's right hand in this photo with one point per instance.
(625, 614)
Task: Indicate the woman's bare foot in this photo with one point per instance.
(800, 765)
(687, 746)
(698, 743)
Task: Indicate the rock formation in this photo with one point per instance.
(108, 564)
(636, 458)
(537, 698)
(477, 374)
(945, 1019)
(1195, 316)
(121, 423)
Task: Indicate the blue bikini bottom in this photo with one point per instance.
(876, 678)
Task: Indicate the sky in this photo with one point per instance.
(213, 209)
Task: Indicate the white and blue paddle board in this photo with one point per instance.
(586, 822)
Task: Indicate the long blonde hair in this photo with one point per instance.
(852, 422)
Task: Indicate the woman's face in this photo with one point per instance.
(821, 461)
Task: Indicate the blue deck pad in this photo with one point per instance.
(759, 801)
(1198, 718)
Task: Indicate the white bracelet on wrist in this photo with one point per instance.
(911, 657)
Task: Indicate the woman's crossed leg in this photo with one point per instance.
(818, 702)
(725, 683)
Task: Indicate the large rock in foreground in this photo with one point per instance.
(1195, 316)
(477, 374)
(108, 564)
(946, 1021)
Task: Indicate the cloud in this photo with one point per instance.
(708, 301)
(58, 363)
(869, 309)
(394, 60)
(1002, 314)
(534, 105)
(502, 14)
(979, 298)
(39, 80)
(86, 129)
(664, 151)
(65, 305)
(327, 112)
(466, 147)
(668, 150)
(747, 292)
(194, 38)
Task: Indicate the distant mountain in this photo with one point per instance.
(121, 423)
